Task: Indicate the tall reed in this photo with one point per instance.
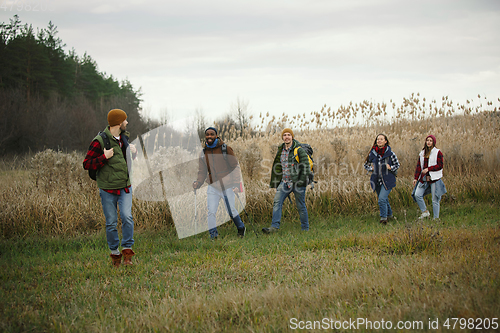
(50, 193)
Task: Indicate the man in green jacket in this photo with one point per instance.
(114, 183)
(287, 176)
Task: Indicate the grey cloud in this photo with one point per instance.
(313, 49)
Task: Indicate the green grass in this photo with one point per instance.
(344, 267)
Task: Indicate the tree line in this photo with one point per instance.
(50, 98)
(54, 99)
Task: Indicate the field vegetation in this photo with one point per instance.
(344, 268)
(56, 275)
(49, 193)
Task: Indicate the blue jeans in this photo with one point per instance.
(300, 200)
(213, 198)
(110, 202)
(419, 197)
(383, 201)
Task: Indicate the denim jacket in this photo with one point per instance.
(440, 189)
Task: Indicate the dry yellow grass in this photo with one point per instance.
(54, 195)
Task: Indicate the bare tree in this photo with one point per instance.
(201, 123)
(240, 109)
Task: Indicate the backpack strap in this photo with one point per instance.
(296, 153)
(107, 145)
(224, 151)
(105, 140)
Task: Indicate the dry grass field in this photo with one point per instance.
(50, 193)
(56, 275)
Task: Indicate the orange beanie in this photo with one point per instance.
(116, 117)
(287, 130)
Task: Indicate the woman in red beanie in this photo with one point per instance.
(428, 176)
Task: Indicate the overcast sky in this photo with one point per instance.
(289, 56)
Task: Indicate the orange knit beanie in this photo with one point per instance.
(287, 130)
(116, 117)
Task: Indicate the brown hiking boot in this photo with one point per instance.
(270, 230)
(116, 259)
(127, 256)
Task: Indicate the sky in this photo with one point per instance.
(280, 56)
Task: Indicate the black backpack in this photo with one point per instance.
(107, 145)
(309, 151)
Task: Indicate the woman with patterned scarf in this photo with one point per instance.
(383, 164)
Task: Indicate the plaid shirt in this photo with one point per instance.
(286, 178)
(394, 166)
(95, 159)
(418, 171)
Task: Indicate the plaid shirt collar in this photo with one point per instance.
(285, 168)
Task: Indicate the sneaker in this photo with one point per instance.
(241, 232)
(270, 230)
(424, 215)
(383, 222)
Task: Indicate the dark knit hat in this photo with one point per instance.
(287, 130)
(211, 128)
(432, 137)
(116, 117)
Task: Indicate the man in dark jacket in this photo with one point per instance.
(114, 183)
(287, 176)
(219, 167)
